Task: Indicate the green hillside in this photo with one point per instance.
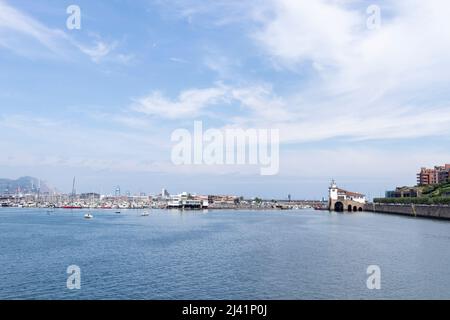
(435, 194)
(440, 190)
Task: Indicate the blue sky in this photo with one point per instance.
(366, 107)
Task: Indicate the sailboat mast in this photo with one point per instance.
(73, 190)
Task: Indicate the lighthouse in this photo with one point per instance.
(340, 200)
(332, 194)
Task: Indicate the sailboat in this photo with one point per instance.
(89, 214)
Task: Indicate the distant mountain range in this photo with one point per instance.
(24, 185)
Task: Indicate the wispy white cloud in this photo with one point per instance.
(224, 66)
(98, 51)
(333, 38)
(17, 28)
(297, 119)
(62, 136)
(189, 103)
(76, 146)
(178, 60)
(25, 35)
(258, 101)
(320, 31)
(217, 13)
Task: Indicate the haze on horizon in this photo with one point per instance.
(365, 107)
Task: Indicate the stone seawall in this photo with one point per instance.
(424, 211)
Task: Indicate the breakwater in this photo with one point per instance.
(413, 210)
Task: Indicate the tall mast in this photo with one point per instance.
(73, 190)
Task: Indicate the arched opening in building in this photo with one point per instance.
(349, 208)
(355, 208)
(339, 207)
(360, 209)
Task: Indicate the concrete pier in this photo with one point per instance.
(412, 210)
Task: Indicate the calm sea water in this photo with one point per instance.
(221, 255)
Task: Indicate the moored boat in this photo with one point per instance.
(72, 207)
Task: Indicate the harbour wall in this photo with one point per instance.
(412, 210)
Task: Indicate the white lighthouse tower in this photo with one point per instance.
(332, 193)
(333, 190)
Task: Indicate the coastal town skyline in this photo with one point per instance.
(439, 174)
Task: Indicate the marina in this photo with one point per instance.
(184, 201)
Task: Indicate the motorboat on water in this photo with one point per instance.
(145, 214)
(88, 216)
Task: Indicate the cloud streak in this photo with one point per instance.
(26, 36)
(189, 103)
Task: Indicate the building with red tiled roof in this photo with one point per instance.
(341, 194)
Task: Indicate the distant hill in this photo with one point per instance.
(25, 185)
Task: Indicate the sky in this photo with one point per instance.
(365, 106)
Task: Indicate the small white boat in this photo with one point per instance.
(145, 214)
(88, 216)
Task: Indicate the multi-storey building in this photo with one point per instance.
(439, 174)
(404, 192)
